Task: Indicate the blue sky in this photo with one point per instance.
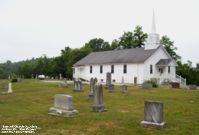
(30, 28)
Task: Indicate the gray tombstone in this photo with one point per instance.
(4, 87)
(124, 89)
(146, 85)
(63, 106)
(108, 79)
(192, 87)
(153, 114)
(77, 86)
(19, 79)
(93, 81)
(63, 83)
(98, 105)
(111, 88)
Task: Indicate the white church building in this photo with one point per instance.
(132, 66)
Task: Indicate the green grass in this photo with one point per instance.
(31, 100)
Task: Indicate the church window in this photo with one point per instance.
(91, 69)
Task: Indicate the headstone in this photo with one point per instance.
(108, 79)
(146, 85)
(153, 114)
(93, 81)
(98, 105)
(192, 87)
(63, 106)
(32, 76)
(122, 81)
(60, 76)
(175, 85)
(63, 83)
(124, 89)
(111, 88)
(36, 76)
(19, 79)
(77, 86)
(10, 88)
(4, 87)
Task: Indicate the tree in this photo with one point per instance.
(169, 46)
(98, 44)
(133, 39)
(139, 37)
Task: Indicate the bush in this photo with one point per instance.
(14, 80)
(154, 84)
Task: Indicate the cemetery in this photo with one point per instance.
(61, 110)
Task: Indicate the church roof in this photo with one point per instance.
(163, 62)
(136, 55)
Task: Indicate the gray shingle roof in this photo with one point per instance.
(163, 62)
(136, 55)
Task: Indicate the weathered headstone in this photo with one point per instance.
(63, 106)
(124, 89)
(19, 79)
(98, 105)
(63, 83)
(4, 87)
(146, 85)
(153, 114)
(77, 86)
(60, 76)
(111, 88)
(93, 81)
(10, 88)
(192, 87)
(122, 81)
(175, 85)
(108, 79)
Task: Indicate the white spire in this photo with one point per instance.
(153, 23)
(153, 40)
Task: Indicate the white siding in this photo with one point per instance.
(139, 70)
(133, 70)
(159, 54)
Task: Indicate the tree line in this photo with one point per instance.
(62, 64)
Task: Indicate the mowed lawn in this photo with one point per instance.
(30, 102)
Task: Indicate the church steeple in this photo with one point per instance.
(153, 23)
(153, 40)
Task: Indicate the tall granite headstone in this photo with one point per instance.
(98, 105)
(77, 86)
(153, 114)
(108, 79)
(63, 106)
(93, 81)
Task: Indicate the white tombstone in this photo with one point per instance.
(63, 106)
(60, 76)
(10, 88)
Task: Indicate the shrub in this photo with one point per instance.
(14, 80)
(154, 84)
